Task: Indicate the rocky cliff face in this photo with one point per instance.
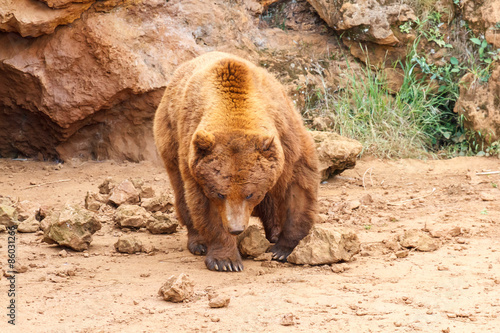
(82, 78)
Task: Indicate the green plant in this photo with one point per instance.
(367, 227)
(484, 212)
(494, 185)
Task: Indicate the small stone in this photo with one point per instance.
(128, 244)
(63, 253)
(18, 268)
(177, 288)
(132, 216)
(419, 240)
(124, 193)
(402, 253)
(29, 225)
(94, 201)
(219, 301)
(8, 216)
(162, 224)
(163, 203)
(366, 200)
(487, 196)
(27, 209)
(288, 320)
(107, 185)
(252, 242)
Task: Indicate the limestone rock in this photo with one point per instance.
(419, 240)
(335, 152)
(124, 193)
(177, 288)
(8, 216)
(219, 301)
(325, 246)
(162, 203)
(94, 201)
(128, 244)
(107, 186)
(162, 224)
(252, 242)
(478, 103)
(482, 17)
(131, 216)
(27, 209)
(371, 20)
(32, 18)
(29, 225)
(73, 227)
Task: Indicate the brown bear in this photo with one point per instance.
(233, 145)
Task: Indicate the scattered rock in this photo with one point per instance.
(366, 200)
(8, 216)
(132, 216)
(402, 253)
(2, 228)
(163, 203)
(336, 153)
(252, 242)
(124, 193)
(487, 196)
(73, 227)
(27, 209)
(162, 224)
(177, 288)
(288, 320)
(445, 232)
(107, 186)
(29, 225)
(18, 268)
(129, 244)
(419, 240)
(325, 246)
(94, 201)
(218, 301)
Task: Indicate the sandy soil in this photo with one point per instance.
(453, 289)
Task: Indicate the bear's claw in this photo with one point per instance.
(281, 253)
(197, 248)
(223, 265)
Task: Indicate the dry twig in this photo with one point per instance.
(48, 183)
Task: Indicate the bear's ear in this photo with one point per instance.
(265, 144)
(204, 141)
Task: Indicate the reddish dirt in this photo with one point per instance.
(454, 289)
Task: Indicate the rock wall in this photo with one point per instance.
(479, 103)
(82, 78)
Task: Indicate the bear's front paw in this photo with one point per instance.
(196, 244)
(197, 248)
(280, 252)
(223, 265)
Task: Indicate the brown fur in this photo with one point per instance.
(233, 144)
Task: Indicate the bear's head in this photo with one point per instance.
(235, 171)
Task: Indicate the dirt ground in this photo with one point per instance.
(453, 289)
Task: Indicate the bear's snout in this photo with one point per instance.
(237, 216)
(236, 232)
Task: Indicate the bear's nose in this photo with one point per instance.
(236, 232)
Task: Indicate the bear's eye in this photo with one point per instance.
(221, 196)
(249, 196)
